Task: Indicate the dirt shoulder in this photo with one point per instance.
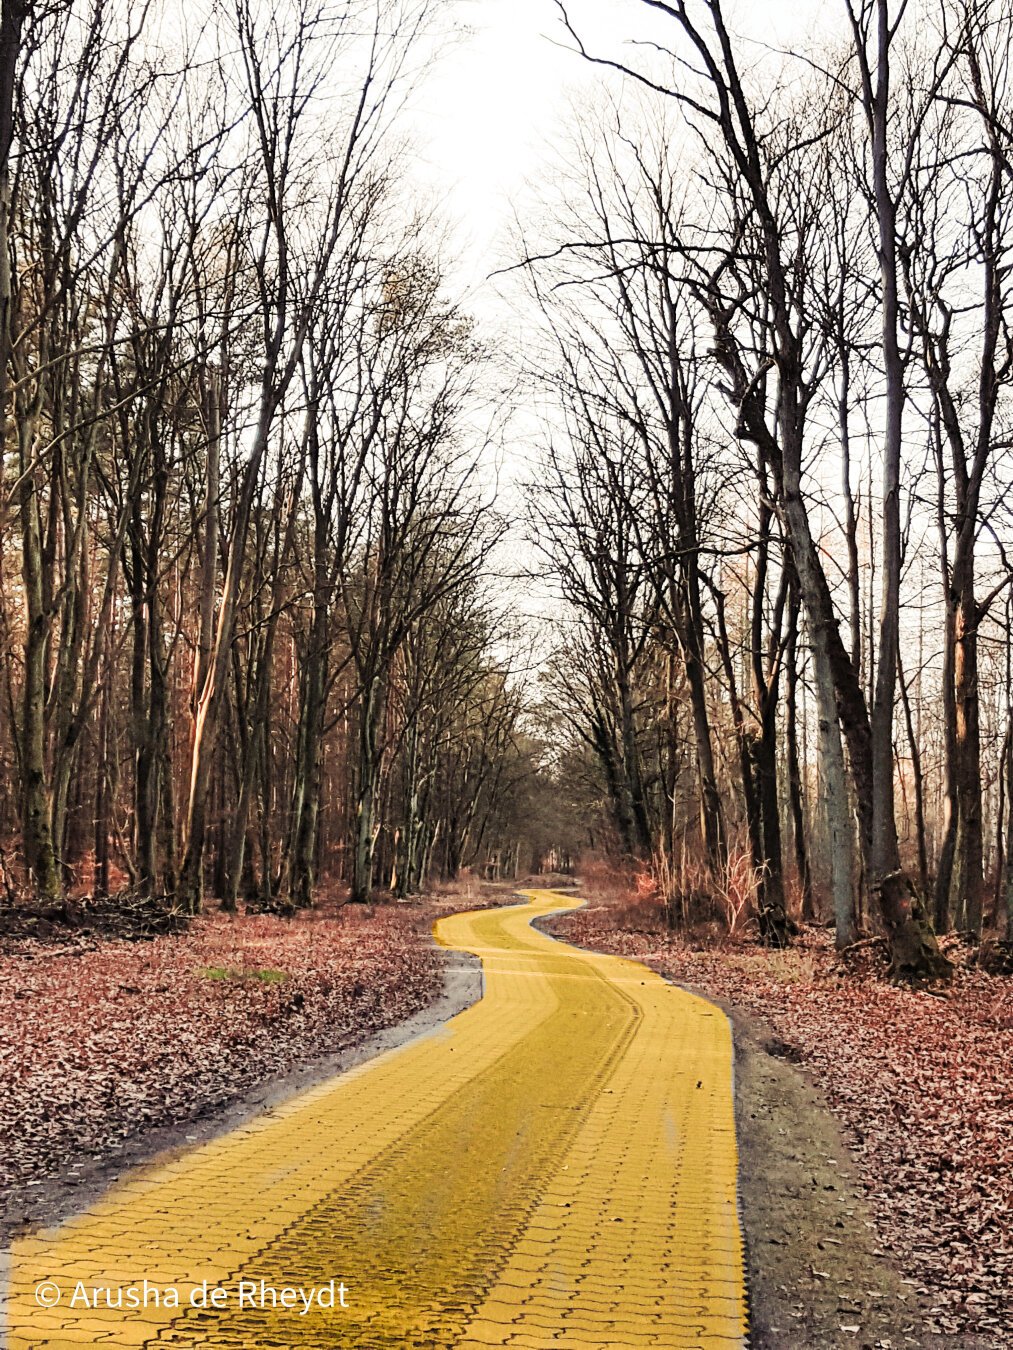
(817, 1275)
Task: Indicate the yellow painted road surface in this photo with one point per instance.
(555, 1167)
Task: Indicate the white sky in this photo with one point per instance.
(484, 120)
(487, 112)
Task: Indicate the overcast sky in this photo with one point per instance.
(490, 107)
(484, 121)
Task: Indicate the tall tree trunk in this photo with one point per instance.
(840, 836)
(850, 513)
(406, 852)
(944, 870)
(795, 791)
(919, 779)
(744, 745)
(100, 872)
(37, 802)
(615, 782)
(711, 818)
(969, 850)
(775, 928)
(205, 736)
(213, 396)
(307, 780)
(632, 769)
(839, 704)
(250, 714)
(144, 837)
(163, 848)
(368, 778)
(913, 944)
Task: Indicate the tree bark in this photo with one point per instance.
(795, 786)
(365, 804)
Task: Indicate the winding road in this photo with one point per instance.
(554, 1167)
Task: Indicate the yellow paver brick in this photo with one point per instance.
(554, 1167)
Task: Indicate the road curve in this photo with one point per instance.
(555, 1166)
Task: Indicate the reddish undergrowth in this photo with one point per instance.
(921, 1082)
(100, 1039)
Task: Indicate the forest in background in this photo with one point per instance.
(775, 292)
(255, 632)
(249, 635)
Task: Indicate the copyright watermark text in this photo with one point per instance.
(299, 1299)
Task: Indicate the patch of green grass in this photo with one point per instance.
(266, 976)
(269, 976)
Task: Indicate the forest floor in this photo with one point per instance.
(921, 1169)
(114, 1042)
(874, 1122)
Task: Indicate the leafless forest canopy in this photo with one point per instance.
(255, 640)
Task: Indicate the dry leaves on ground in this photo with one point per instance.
(920, 1081)
(100, 1039)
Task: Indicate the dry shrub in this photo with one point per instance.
(463, 887)
(694, 893)
(681, 892)
(737, 890)
(630, 890)
(685, 886)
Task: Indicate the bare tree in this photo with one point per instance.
(285, 61)
(767, 243)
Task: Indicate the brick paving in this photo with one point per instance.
(555, 1167)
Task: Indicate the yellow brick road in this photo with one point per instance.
(554, 1167)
